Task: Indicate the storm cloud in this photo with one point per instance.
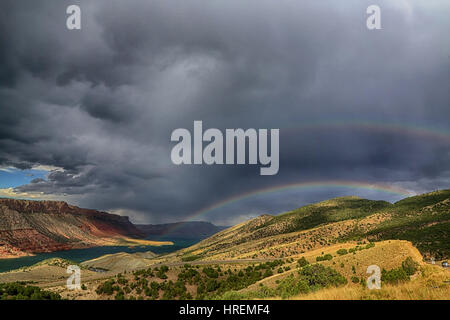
(100, 103)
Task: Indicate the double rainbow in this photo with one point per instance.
(309, 185)
(401, 129)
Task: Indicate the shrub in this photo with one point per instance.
(212, 285)
(164, 269)
(162, 276)
(324, 258)
(19, 291)
(394, 276)
(267, 273)
(342, 252)
(318, 276)
(162, 272)
(311, 277)
(211, 273)
(410, 266)
(370, 245)
(291, 286)
(106, 288)
(302, 262)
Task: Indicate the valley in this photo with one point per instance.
(319, 251)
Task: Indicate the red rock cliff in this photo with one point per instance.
(44, 226)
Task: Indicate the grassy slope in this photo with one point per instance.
(432, 283)
(424, 220)
(312, 223)
(333, 210)
(385, 254)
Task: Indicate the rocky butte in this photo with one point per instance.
(28, 227)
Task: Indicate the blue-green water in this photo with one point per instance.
(80, 255)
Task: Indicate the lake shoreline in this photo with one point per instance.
(79, 255)
(123, 242)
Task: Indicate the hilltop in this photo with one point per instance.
(424, 220)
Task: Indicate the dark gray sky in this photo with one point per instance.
(94, 109)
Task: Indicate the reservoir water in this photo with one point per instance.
(80, 255)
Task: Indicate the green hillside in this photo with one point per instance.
(424, 220)
(328, 211)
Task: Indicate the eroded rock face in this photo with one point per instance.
(44, 226)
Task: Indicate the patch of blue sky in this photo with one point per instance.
(11, 177)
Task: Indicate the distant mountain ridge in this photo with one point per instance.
(28, 226)
(186, 230)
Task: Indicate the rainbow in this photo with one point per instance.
(309, 185)
(435, 133)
